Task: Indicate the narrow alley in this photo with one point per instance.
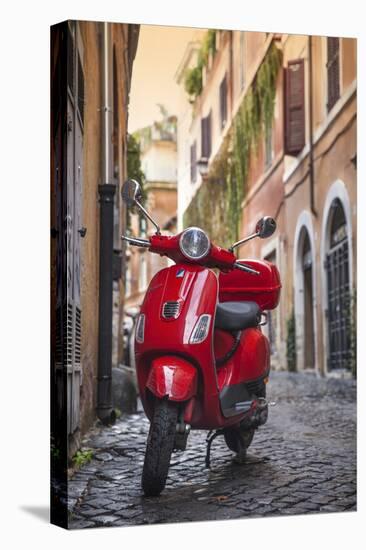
(302, 461)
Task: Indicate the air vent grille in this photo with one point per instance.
(171, 310)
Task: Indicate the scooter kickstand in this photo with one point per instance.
(209, 439)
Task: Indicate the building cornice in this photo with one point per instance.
(161, 185)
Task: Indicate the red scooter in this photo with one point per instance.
(202, 361)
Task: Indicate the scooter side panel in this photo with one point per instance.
(250, 362)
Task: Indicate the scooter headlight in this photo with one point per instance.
(194, 243)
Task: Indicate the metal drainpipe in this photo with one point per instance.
(231, 76)
(106, 191)
(311, 145)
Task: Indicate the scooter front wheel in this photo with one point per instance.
(160, 443)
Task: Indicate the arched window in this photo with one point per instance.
(338, 227)
(306, 252)
(338, 287)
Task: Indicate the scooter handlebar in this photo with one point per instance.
(219, 257)
(136, 242)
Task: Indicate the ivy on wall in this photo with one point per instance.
(193, 76)
(216, 207)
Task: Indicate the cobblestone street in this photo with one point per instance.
(302, 461)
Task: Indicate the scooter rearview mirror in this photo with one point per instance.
(131, 192)
(265, 227)
(132, 195)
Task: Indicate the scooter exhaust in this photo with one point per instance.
(257, 412)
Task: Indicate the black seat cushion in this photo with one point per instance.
(232, 316)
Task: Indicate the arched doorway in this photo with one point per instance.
(337, 267)
(305, 293)
(307, 273)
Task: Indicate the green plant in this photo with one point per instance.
(217, 205)
(193, 81)
(134, 170)
(291, 343)
(208, 46)
(82, 457)
(193, 75)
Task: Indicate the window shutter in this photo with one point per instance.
(193, 162)
(70, 61)
(332, 71)
(294, 107)
(223, 101)
(206, 136)
(80, 98)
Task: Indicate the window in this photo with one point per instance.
(223, 101)
(338, 228)
(241, 67)
(143, 226)
(294, 107)
(332, 71)
(194, 162)
(206, 136)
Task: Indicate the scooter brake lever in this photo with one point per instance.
(244, 267)
(136, 241)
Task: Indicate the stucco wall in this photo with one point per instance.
(283, 190)
(334, 147)
(90, 215)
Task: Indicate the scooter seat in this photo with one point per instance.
(233, 316)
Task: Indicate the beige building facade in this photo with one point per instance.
(321, 213)
(87, 59)
(300, 168)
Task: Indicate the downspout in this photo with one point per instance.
(106, 191)
(231, 68)
(311, 144)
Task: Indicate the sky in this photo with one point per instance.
(159, 53)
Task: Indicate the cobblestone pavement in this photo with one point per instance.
(303, 460)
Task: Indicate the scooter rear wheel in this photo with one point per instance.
(238, 440)
(160, 443)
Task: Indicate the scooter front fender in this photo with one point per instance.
(173, 377)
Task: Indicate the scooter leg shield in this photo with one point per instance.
(172, 377)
